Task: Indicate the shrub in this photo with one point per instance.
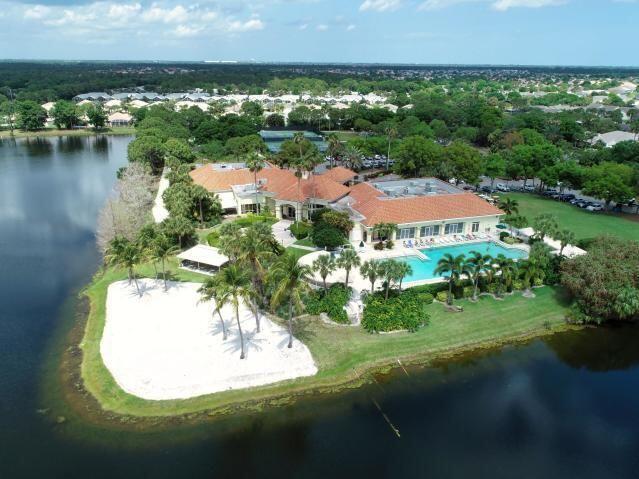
(213, 238)
(518, 285)
(327, 236)
(379, 246)
(406, 311)
(300, 230)
(390, 244)
(442, 296)
(433, 289)
(468, 291)
(493, 288)
(331, 302)
(538, 282)
(250, 219)
(503, 235)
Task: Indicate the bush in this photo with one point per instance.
(503, 235)
(390, 244)
(326, 236)
(518, 285)
(538, 282)
(493, 288)
(406, 311)
(468, 291)
(433, 289)
(442, 296)
(331, 302)
(378, 246)
(300, 230)
(251, 219)
(213, 238)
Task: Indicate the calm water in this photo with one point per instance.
(425, 269)
(564, 407)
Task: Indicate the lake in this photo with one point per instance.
(561, 407)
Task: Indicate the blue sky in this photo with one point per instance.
(540, 32)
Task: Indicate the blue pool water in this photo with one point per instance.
(425, 269)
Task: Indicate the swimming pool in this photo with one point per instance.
(424, 269)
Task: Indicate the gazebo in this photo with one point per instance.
(202, 259)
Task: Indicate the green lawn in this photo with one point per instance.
(297, 252)
(585, 224)
(344, 354)
(305, 242)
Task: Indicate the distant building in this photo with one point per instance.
(93, 96)
(611, 138)
(119, 119)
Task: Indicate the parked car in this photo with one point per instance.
(595, 207)
(529, 188)
(502, 187)
(486, 189)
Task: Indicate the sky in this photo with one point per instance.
(522, 32)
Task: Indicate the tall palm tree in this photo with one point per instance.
(290, 281)
(255, 163)
(455, 267)
(324, 265)
(530, 270)
(348, 260)
(371, 270)
(124, 254)
(236, 280)
(335, 147)
(162, 248)
(254, 250)
(509, 206)
(391, 134)
(213, 289)
(385, 230)
(476, 265)
(145, 239)
(545, 225)
(403, 269)
(390, 272)
(230, 239)
(565, 238)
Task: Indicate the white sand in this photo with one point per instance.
(166, 345)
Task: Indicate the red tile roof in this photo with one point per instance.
(340, 174)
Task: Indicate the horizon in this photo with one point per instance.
(545, 33)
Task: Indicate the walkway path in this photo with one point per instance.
(159, 211)
(282, 233)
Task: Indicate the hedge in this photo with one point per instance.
(300, 230)
(331, 302)
(403, 311)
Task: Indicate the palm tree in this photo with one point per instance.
(213, 289)
(371, 270)
(476, 265)
(237, 282)
(455, 267)
(565, 238)
(403, 269)
(389, 269)
(230, 239)
(391, 133)
(353, 157)
(290, 281)
(348, 260)
(531, 270)
(509, 206)
(145, 239)
(385, 230)
(161, 249)
(124, 254)
(335, 147)
(255, 163)
(506, 268)
(324, 265)
(545, 225)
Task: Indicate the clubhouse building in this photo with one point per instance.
(421, 207)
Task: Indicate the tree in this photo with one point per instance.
(255, 164)
(465, 162)
(252, 108)
(565, 238)
(162, 248)
(178, 150)
(97, 117)
(335, 148)
(275, 120)
(506, 268)
(509, 205)
(544, 225)
(476, 265)
(391, 134)
(494, 167)
(237, 284)
(455, 267)
(371, 270)
(178, 227)
(30, 116)
(515, 221)
(610, 182)
(348, 260)
(417, 155)
(148, 150)
(385, 231)
(353, 157)
(402, 270)
(124, 254)
(65, 114)
(389, 270)
(324, 265)
(290, 283)
(213, 289)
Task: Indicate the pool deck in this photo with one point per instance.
(359, 283)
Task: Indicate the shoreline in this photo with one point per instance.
(97, 399)
(53, 133)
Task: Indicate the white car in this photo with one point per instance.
(502, 187)
(595, 208)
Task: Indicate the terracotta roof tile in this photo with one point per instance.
(340, 174)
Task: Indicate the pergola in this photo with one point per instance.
(202, 259)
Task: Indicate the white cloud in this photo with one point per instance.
(350, 28)
(36, 12)
(501, 5)
(321, 27)
(380, 5)
(186, 31)
(247, 26)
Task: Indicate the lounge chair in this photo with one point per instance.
(410, 244)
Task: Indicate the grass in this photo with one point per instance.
(584, 224)
(344, 355)
(297, 252)
(56, 132)
(305, 242)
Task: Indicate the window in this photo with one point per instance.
(475, 228)
(454, 228)
(250, 208)
(432, 230)
(406, 233)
